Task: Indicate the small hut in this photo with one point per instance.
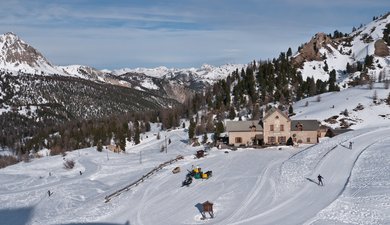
(176, 170)
(199, 154)
(114, 148)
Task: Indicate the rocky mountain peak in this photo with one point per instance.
(15, 54)
(310, 51)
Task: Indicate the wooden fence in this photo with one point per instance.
(140, 180)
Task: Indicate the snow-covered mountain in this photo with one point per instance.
(207, 72)
(324, 53)
(17, 55)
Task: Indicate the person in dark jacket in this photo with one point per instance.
(320, 178)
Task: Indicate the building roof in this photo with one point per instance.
(338, 131)
(272, 110)
(307, 125)
(232, 126)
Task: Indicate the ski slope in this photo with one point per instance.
(275, 185)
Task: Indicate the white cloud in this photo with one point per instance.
(179, 34)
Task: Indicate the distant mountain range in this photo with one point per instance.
(315, 58)
(16, 56)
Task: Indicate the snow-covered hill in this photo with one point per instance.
(275, 185)
(323, 53)
(353, 107)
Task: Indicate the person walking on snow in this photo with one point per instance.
(320, 180)
(350, 145)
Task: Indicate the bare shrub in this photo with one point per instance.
(69, 164)
(7, 160)
(56, 150)
(26, 157)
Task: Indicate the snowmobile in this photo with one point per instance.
(187, 181)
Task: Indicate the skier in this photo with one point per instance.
(81, 173)
(350, 145)
(49, 193)
(320, 180)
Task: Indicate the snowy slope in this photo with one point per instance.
(335, 104)
(339, 52)
(248, 186)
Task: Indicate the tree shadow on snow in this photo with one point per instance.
(16, 216)
(347, 147)
(184, 141)
(311, 180)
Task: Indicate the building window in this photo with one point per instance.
(271, 127)
(238, 140)
(299, 126)
(281, 127)
(282, 140)
(308, 140)
(271, 140)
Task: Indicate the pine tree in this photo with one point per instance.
(232, 113)
(387, 83)
(375, 97)
(136, 133)
(386, 34)
(204, 139)
(191, 129)
(326, 67)
(147, 126)
(332, 81)
(256, 112)
(290, 141)
(290, 110)
(312, 87)
(122, 142)
(289, 53)
(218, 130)
(388, 99)
(99, 146)
(368, 61)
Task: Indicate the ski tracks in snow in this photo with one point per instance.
(309, 200)
(262, 179)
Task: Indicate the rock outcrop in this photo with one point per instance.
(310, 50)
(381, 48)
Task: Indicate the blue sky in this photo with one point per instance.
(112, 34)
